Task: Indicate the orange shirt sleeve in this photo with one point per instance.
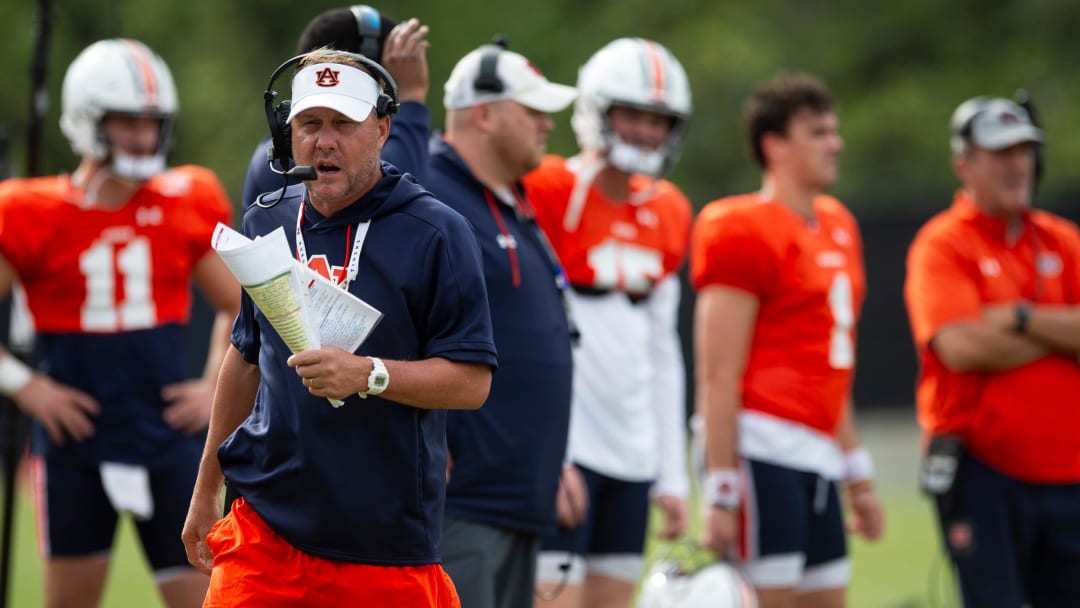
(547, 189)
(1068, 237)
(21, 230)
(940, 288)
(726, 249)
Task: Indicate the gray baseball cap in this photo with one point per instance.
(993, 123)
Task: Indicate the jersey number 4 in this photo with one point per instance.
(106, 307)
(841, 345)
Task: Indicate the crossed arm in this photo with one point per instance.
(992, 343)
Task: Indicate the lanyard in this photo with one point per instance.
(353, 256)
(524, 212)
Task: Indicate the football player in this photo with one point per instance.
(779, 275)
(621, 233)
(107, 256)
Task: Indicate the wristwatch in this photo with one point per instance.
(1023, 314)
(377, 380)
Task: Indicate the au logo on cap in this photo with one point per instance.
(327, 77)
(1008, 118)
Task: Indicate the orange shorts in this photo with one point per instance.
(253, 566)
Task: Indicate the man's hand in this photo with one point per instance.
(203, 513)
(572, 500)
(867, 514)
(676, 516)
(721, 531)
(331, 372)
(189, 405)
(405, 57)
(62, 410)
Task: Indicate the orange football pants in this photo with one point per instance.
(253, 566)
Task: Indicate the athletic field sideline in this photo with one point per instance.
(905, 570)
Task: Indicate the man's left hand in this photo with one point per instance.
(676, 516)
(867, 514)
(189, 405)
(1001, 317)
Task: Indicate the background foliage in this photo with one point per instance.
(897, 69)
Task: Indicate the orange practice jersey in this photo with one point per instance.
(95, 270)
(614, 246)
(809, 282)
(1024, 421)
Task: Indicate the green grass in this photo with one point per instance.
(906, 568)
(903, 570)
(129, 586)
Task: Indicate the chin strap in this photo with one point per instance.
(632, 159)
(584, 175)
(137, 168)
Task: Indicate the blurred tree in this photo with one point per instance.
(898, 70)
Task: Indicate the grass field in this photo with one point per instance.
(904, 570)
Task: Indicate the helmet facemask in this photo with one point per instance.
(631, 158)
(139, 167)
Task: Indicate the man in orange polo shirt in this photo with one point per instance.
(992, 292)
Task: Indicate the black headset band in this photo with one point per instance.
(388, 84)
(487, 77)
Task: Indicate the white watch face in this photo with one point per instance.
(379, 377)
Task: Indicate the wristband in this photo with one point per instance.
(1023, 314)
(14, 375)
(858, 465)
(858, 486)
(722, 488)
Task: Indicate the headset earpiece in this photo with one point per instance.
(487, 77)
(280, 150)
(277, 116)
(368, 28)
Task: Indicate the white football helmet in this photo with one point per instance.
(717, 585)
(640, 74)
(117, 76)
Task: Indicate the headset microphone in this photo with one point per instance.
(303, 173)
(300, 172)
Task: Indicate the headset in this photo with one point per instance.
(280, 150)
(487, 77)
(1024, 99)
(368, 28)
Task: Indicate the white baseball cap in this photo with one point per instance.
(518, 78)
(349, 90)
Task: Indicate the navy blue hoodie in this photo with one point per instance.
(508, 455)
(364, 482)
